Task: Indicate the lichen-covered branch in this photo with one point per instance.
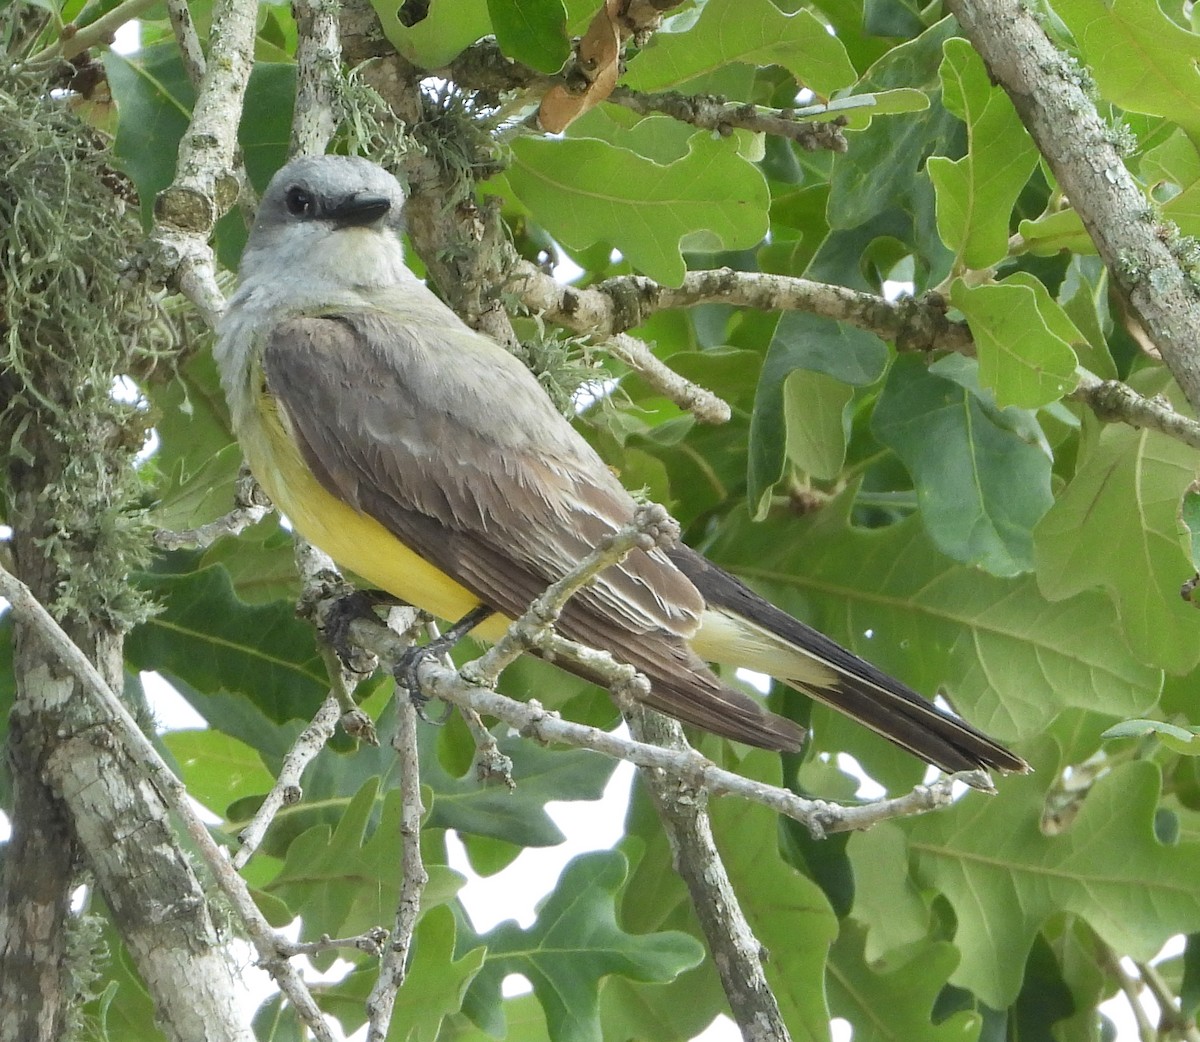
(716, 114)
(318, 71)
(26, 608)
(622, 303)
(207, 181)
(1115, 402)
(737, 953)
(1144, 254)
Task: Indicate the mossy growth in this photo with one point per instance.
(71, 330)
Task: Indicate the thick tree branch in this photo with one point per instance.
(1142, 252)
(318, 77)
(208, 181)
(737, 953)
(622, 303)
(26, 607)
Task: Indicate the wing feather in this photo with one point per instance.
(445, 439)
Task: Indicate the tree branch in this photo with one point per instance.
(1115, 402)
(394, 968)
(318, 63)
(1142, 252)
(251, 505)
(709, 112)
(286, 791)
(690, 768)
(207, 181)
(622, 303)
(190, 51)
(737, 953)
(26, 607)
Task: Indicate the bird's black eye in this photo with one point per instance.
(299, 202)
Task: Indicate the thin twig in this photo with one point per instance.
(74, 41)
(264, 939)
(699, 401)
(286, 791)
(713, 113)
(1131, 987)
(690, 768)
(1170, 1019)
(651, 527)
(1113, 401)
(394, 966)
(186, 37)
(251, 505)
(371, 942)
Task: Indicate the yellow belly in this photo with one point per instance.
(358, 543)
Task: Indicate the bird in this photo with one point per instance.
(427, 460)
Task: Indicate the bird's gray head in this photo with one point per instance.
(336, 191)
(334, 218)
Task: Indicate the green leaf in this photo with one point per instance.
(1185, 740)
(218, 769)
(883, 163)
(1126, 493)
(1189, 514)
(981, 486)
(433, 989)
(574, 943)
(1140, 59)
(154, 100)
(1024, 357)
(197, 458)
(894, 1005)
(445, 31)
(856, 110)
(213, 642)
(465, 804)
(1050, 235)
(885, 901)
(586, 191)
(752, 31)
(346, 880)
(1005, 876)
(976, 194)
(814, 409)
(532, 31)
(802, 391)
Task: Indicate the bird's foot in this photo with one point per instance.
(409, 665)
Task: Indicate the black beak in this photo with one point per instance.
(359, 210)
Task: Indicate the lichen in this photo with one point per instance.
(70, 327)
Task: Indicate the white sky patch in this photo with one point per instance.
(515, 891)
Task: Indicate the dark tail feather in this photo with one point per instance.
(861, 691)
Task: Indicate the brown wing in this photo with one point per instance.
(447, 440)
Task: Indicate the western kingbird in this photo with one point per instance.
(426, 459)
